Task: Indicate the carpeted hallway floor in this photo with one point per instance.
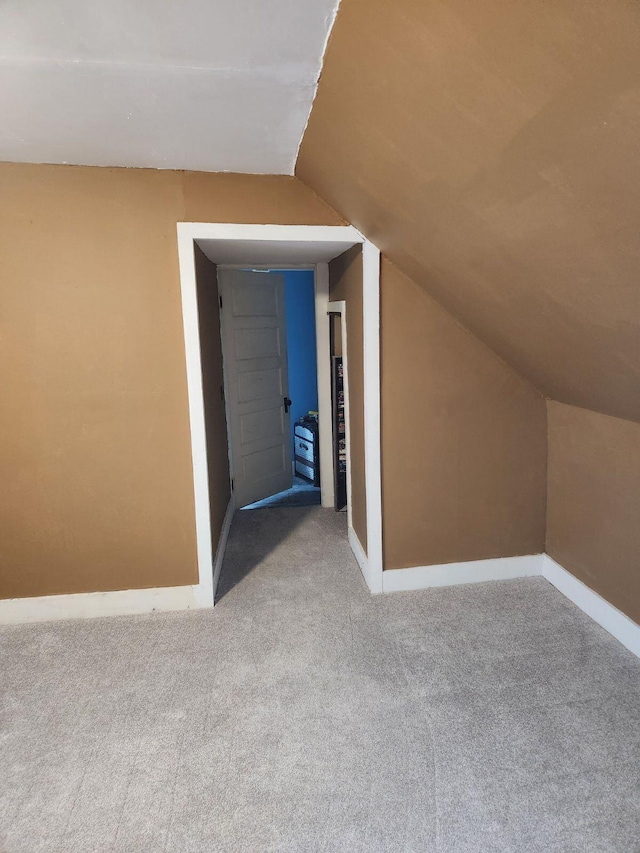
(302, 714)
(301, 493)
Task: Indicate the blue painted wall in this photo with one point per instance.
(301, 343)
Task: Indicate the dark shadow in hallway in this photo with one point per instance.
(255, 534)
(301, 493)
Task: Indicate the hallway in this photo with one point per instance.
(303, 714)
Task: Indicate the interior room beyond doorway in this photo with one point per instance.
(299, 294)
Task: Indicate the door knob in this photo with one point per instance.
(287, 403)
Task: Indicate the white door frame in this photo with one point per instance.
(323, 362)
(372, 569)
(283, 245)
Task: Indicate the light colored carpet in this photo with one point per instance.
(302, 714)
(301, 493)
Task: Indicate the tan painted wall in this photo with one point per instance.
(491, 150)
(274, 199)
(336, 335)
(95, 460)
(593, 501)
(212, 383)
(345, 283)
(463, 439)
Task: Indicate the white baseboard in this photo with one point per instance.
(452, 574)
(358, 551)
(625, 630)
(222, 543)
(363, 561)
(124, 602)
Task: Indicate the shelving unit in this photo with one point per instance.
(339, 432)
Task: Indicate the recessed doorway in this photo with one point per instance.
(280, 247)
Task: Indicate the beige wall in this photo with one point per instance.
(463, 440)
(95, 459)
(274, 199)
(490, 149)
(345, 283)
(593, 502)
(212, 384)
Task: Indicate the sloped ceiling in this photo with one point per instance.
(196, 84)
(492, 150)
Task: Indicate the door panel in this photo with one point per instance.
(258, 425)
(257, 343)
(256, 383)
(260, 384)
(263, 464)
(252, 298)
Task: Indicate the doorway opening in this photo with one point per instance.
(216, 492)
(302, 407)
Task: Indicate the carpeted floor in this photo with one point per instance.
(301, 493)
(302, 714)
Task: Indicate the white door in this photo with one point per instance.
(254, 345)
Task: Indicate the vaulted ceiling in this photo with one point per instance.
(211, 85)
(492, 150)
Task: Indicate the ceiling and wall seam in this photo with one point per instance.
(322, 200)
(333, 17)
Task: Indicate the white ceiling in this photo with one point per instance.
(212, 85)
(273, 254)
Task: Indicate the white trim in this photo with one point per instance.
(452, 574)
(372, 432)
(360, 555)
(126, 602)
(620, 626)
(323, 369)
(189, 296)
(222, 543)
